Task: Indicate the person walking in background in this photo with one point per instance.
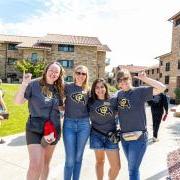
(131, 111)
(102, 110)
(158, 104)
(45, 97)
(3, 108)
(76, 127)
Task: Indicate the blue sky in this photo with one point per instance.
(12, 11)
(136, 31)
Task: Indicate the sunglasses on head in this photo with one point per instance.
(119, 80)
(80, 73)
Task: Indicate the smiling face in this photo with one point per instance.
(100, 90)
(124, 83)
(52, 73)
(80, 76)
(124, 80)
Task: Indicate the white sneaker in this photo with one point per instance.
(155, 139)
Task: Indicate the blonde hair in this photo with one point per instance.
(85, 84)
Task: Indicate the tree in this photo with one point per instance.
(27, 66)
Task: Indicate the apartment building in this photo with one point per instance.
(170, 62)
(134, 70)
(69, 50)
(153, 72)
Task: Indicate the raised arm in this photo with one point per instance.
(19, 97)
(2, 102)
(158, 87)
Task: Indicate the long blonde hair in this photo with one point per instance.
(85, 84)
(59, 83)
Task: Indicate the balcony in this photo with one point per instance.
(107, 61)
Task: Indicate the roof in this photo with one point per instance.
(22, 41)
(103, 48)
(153, 67)
(70, 39)
(174, 16)
(45, 41)
(163, 55)
(131, 68)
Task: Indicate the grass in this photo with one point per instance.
(17, 114)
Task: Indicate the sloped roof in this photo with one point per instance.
(153, 67)
(22, 41)
(70, 39)
(163, 55)
(103, 48)
(174, 16)
(45, 41)
(132, 68)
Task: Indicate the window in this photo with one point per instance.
(152, 71)
(68, 79)
(166, 79)
(148, 72)
(168, 66)
(160, 75)
(157, 70)
(66, 48)
(178, 64)
(11, 61)
(161, 63)
(177, 22)
(66, 63)
(34, 57)
(12, 47)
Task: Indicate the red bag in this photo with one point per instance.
(49, 128)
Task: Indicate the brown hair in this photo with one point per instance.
(123, 73)
(59, 83)
(93, 93)
(85, 84)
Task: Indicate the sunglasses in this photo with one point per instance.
(80, 73)
(119, 80)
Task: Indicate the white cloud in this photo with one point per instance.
(136, 31)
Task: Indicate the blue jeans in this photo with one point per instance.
(134, 152)
(75, 135)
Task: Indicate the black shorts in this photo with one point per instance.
(35, 138)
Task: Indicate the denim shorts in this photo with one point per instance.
(101, 142)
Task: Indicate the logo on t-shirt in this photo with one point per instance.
(78, 97)
(124, 103)
(104, 110)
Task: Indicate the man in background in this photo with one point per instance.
(158, 104)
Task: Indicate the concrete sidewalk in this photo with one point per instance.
(14, 156)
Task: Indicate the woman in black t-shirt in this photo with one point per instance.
(44, 96)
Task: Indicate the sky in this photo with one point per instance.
(136, 31)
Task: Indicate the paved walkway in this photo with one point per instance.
(14, 157)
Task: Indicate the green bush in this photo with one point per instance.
(177, 93)
(112, 89)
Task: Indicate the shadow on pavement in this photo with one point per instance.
(175, 131)
(159, 175)
(19, 141)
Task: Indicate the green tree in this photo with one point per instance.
(27, 66)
